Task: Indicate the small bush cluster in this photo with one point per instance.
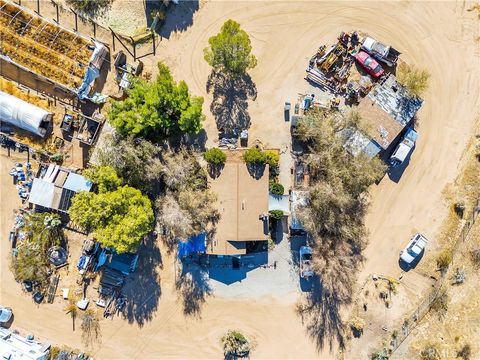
(276, 188)
(215, 156)
(257, 156)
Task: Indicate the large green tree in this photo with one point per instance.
(118, 218)
(157, 109)
(230, 50)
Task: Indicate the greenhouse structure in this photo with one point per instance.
(24, 115)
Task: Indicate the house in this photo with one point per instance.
(24, 115)
(388, 110)
(54, 188)
(14, 346)
(242, 201)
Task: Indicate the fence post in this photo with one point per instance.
(134, 49)
(153, 42)
(94, 28)
(58, 15)
(76, 21)
(113, 39)
(38, 7)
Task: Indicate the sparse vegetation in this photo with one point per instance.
(465, 352)
(444, 259)
(91, 332)
(235, 344)
(89, 7)
(229, 51)
(430, 352)
(157, 109)
(43, 230)
(475, 255)
(440, 304)
(379, 356)
(334, 215)
(414, 80)
(215, 156)
(357, 325)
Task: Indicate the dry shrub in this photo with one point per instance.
(430, 352)
(440, 304)
(465, 352)
(444, 259)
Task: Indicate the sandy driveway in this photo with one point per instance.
(438, 36)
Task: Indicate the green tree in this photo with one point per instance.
(276, 188)
(105, 177)
(215, 156)
(230, 51)
(254, 156)
(118, 219)
(236, 344)
(157, 109)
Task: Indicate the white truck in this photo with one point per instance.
(386, 54)
(306, 270)
(404, 148)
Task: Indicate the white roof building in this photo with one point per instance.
(16, 347)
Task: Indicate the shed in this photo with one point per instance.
(24, 115)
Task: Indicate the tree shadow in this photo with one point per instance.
(178, 18)
(256, 170)
(320, 313)
(142, 289)
(215, 170)
(192, 287)
(230, 101)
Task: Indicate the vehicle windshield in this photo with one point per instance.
(377, 69)
(307, 256)
(367, 61)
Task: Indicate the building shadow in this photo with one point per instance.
(232, 269)
(192, 285)
(143, 289)
(230, 101)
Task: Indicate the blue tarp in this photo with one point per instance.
(125, 263)
(90, 76)
(195, 244)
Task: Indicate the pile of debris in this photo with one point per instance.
(22, 178)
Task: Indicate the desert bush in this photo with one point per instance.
(215, 156)
(254, 156)
(475, 255)
(440, 304)
(90, 7)
(465, 352)
(235, 344)
(276, 214)
(272, 158)
(357, 325)
(444, 259)
(379, 355)
(276, 188)
(430, 352)
(91, 332)
(414, 80)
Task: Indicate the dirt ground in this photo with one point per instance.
(438, 36)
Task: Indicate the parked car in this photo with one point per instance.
(386, 54)
(404, 148)
(5, 315)
(369, 64)
(414, 248)
(306, 270)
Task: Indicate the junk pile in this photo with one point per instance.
(22, 178)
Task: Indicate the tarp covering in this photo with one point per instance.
(42, 193)
(22, 114)
(195, 244)
(77, 183)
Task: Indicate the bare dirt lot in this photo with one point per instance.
(438, 36)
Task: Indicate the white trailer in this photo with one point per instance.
(404, 148)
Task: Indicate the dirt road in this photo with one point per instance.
(437, 36)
